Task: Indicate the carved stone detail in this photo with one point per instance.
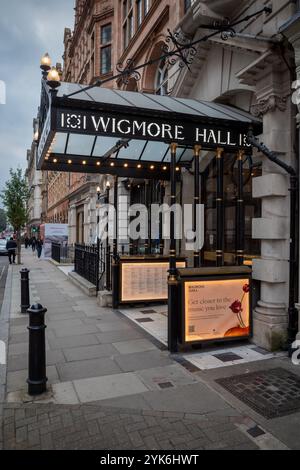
(271, 103)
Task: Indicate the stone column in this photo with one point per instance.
(292, 31)
(92, 211)
(72, 224)
(273, 228)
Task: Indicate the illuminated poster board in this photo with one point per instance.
(145, 281)
(216, 309)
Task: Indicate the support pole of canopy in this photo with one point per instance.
(161, 240)
(131, 246)
(150, 191)
(115, 263)
(108, 272)
(173, 322)
(220, 208)
(115, 245)
(197, 150)
(240, 218)
(146, 246)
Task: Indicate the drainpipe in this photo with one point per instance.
(293, 269)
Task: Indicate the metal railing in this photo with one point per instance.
(93, 263)
(56, 252)
(87, 262)
(62, 253)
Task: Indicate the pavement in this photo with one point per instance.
(112, 386)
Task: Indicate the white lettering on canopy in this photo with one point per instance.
(139, 127)
(210, 136)
(154, 129)
(166, 132)
(102, 122)
(121, 129)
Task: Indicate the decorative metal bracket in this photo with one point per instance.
(128, 72)
(177, 46)
(224, 28)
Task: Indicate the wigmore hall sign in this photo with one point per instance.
(147, 128)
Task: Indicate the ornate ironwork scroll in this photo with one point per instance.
(178, 46)
(128, 72)
(224, 28)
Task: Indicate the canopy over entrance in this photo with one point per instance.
(129, 133)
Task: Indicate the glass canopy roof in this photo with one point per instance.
(148, 101)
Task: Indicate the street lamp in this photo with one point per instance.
(53, 78)
(45, 65)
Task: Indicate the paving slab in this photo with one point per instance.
(63, 324)
(75, 330)
(143, 360)
(64, 393)
(159, 378)
(20, 362)
(88, 368)
(73, 341)
(101, 388)
(90, 352)
(117, 336)
(19, 321)
(116, 325)
(196, 398)
(18, 338)
(134, 346)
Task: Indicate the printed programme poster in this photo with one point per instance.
(216, 309)
(145, 281)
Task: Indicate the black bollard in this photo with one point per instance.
(25, 300)
(37, 380)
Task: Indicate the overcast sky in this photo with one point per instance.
(28, 29)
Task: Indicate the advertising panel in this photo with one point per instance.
(216, 309)
(54, 233)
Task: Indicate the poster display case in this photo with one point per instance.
(144, 278)
(215, 304)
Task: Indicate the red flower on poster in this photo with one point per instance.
(236, 306)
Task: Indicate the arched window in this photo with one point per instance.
(161, 82)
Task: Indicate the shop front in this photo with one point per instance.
(147, 143)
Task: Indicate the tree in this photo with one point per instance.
(15, 197)
(2, 220)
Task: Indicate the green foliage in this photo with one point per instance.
(15, 197)
(2, 220)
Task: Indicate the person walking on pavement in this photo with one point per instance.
(26, 241)
(33, 244)
(39, 247)
(11, 247)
